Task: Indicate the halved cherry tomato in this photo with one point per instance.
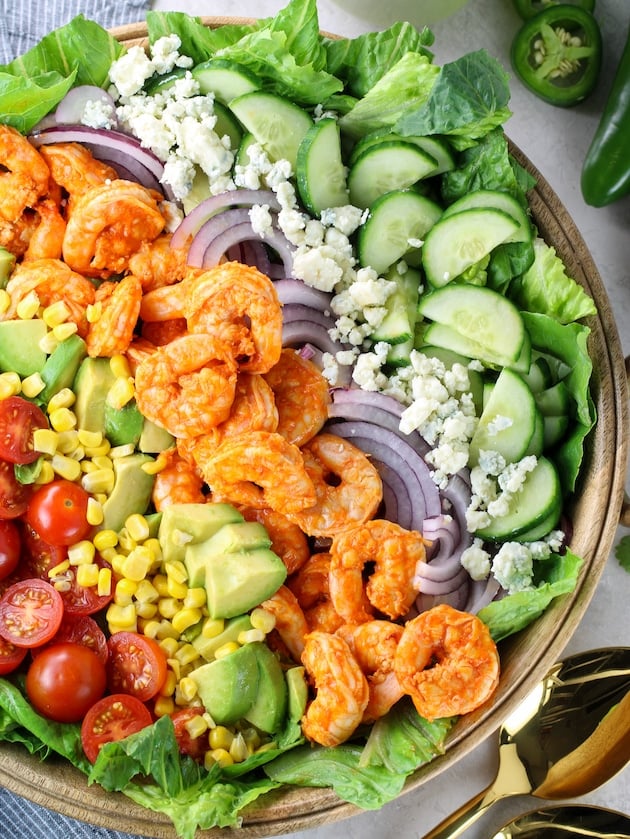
(10, 656)
(58, 512)
(112, 718)
(64, 681)
(10, 547)
(137, 665)
(30, 613)
(195, 747)
(84, 600)
(39, 556)
(19, 418)
(14, 496)
(78, 629)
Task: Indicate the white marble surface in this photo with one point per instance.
(555, 140)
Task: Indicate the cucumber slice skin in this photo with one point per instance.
(320, 172)
(494, 199)
(277, 123)
(224, 78)
(535, 509)
(438, 149)
(384, 168)
(399, 323)
(481, 316)
(462, 239)
(227, 124)
(393, 220)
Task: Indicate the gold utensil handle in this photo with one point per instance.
(624, 518)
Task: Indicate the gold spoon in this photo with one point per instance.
(568, 736)
(566, 821)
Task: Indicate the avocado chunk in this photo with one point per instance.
(207, 647)
(61, 367)
(154, 439)
(186, 524)
(297, 692)
(232, 537)
(228, 686)
(269, 708)
(19, 346)
(131, 493)
(92, 384)
(7, 264)
(239, 581)
(123, 425)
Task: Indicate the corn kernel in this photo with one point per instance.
(170, 646)
(94, 513)
(59, 569)
(125, 540)
(116, 561)
(66, 467)
(188, 691)
(146, 592)
(138, 527)
(187, 654)
(81, 553)
(177, 570)
(175, 666)
(226, 649)
(195, 726)
(55, 314)
(45, 440)
(119, 366)
(267, 747)
(122, 451)
(68, 441)
(168, 688)
(168, 607)
(175, 589)
(136, 565)
(105, 539)
(87, 575)
(89, 439)
(238, 750)
(152, 544)
(220, 738)
(62, 419)
(212, 627)
(121, 616)
(32, 385)
(262, 619)
(146, 610)
(220, 756)
(152, 467)
(124, 592)
(102, 450)
(163, 705)
(5, 300)
(48, 343)
(166, 630)
(64, 398)
(195, 598)
(121, 393)
(161, 584)
(62, 585)
(46, 473)
(100, 480)
(93, 311)
(185, 618)
(104, 584)
(249, 636)
(28, 306)
(252, 739)
(64, 330)
(10, 384)
(109, 554)
(151, 629)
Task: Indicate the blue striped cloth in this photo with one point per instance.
(24, 22)
(22, 25)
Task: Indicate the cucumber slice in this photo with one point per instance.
(494, 199)
(508, 421)
(449, 358)
(225, 78)
(481, 316)
(538, 377)
(399, 323)
(537, 443)
(554, 401)
(438, 149)
(398, 355)
(158, 84)
(227, 124)
(320, 173)
(277, 123)
(534, 510)
(385, 167)
(449, 339)
(394, 219)
(462, 239)
(524, 360)
(242, 155)
(554, 429)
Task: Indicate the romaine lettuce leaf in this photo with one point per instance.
(198, 41)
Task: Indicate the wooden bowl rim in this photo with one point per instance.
(602, 497)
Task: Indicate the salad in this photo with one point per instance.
(288, 378)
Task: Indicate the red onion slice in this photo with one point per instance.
(296, 333)
(438, 587)
(292, 291)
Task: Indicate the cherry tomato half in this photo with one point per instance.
(195, 747)
(14, 496)
(30, 613)
(39, 556)
(64, 681)
(10, 547)
(137, 665)
(19, 418)
(112, 718)
(84, 600)
(10, 656)
(78, 629)
(58, 512)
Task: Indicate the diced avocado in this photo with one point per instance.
(187, 524)
(123, 425)
(269, 708)
(239, 581)
(19, 346)
(61, 367)
(154, 439)
(297, 692)
(153, 520)
(207, 647)
(91, 385)
(7, 264)
(231, 538)
(131, 493)
(228, 686)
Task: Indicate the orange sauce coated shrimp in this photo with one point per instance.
(117, 306)
(75, 168)
(47, 239)
(447, 662)
(188, 385)
(177, 482)
(348, 487)
(395, 553)
(157, 265)
(25, 176)
(291, 624)
(341, 689)
(287, 540)
(302, 396)
(108, 224)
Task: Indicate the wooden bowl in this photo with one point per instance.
(525, 657)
